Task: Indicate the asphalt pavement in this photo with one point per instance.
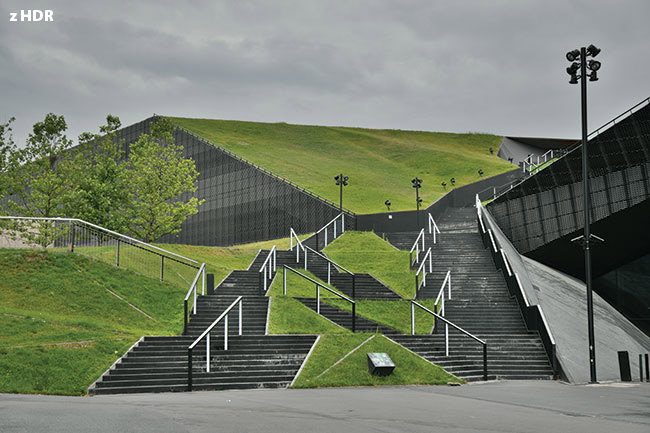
(540, 406)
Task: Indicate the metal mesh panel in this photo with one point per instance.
(242, 203)
(550, 204)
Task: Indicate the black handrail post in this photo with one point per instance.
(185, 319)
(354, 317)
(162, 267)
(354, 285)
(485, 368)
(317, 241)
(189, 369)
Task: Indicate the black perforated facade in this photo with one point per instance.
(243, 202)
(549, 205)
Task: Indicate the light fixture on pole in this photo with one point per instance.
(417, 184)
(578, 57)
(341, 181)
(387, 203)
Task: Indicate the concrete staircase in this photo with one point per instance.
(254, 360)
(366, 286)
(344, 318)
(480, 303)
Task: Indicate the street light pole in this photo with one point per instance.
(342, 181)
(417, 184)
(586, 239)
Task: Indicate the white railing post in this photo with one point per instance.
(225, 333)
(422, 239)
(194, 299)
(325, 236)
(430, 261)
(412, 318)
(240, 317)
(207, 352)
(449, 286)
(203, 282)
(305, 259)
(284, 282)
(329, 271)
(334, 230)
(275, 260)
(318, 299)
(264, 278)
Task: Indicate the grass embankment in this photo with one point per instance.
(60, 325)
(219, 260)
(353, 370)
(379, 162)
(365, 252)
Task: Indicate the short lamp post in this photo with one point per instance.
(417, 184)
(341, 181)
(580, 64)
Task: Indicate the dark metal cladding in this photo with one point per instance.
(243, 203)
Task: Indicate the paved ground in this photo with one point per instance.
(494, 407)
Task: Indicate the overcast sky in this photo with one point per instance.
(494, 66)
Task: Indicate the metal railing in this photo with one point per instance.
(267, 271)
(262, 169)
(331, 263)
(293, 235)
(333, 224)
(423, 270)
(496, 191)
(82, 237)
(318, 287)
(416, 247)
(193, 292)
(206, 335)
(433, 229)
(448, 323)
(533, 314)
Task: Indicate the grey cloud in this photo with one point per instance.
(494, 66)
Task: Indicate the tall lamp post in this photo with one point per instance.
(417, 184)
(579, 63)
(342, 181)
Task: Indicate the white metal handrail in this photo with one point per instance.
(268, 268)
(423, 270)
(330, 262)
(192, 290)
(416, 248)
(206, 335)
(334, 232)
(111, 232)
(447, 322)
(299, 246)
(318, 287)
(433, 228)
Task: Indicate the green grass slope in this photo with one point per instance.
(62, 322)
(379, 162)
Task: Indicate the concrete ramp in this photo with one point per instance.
(564, 302)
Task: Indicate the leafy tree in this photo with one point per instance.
(38, 178)
(155, 176)
(98, 192)
(7, 149)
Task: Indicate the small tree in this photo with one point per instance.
(7, 149)
(155, 176)
(98, 192)
(38, 178)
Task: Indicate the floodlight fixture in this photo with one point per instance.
(573, 69)
(592, 50)
(593, 76)
(594, 65)
(574, 79)
(491, 151)
(573, 55)
(444, 185)
(453, 181)
(480, 172)
(387, 203)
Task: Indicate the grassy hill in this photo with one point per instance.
(379, 162)
(64, 319)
